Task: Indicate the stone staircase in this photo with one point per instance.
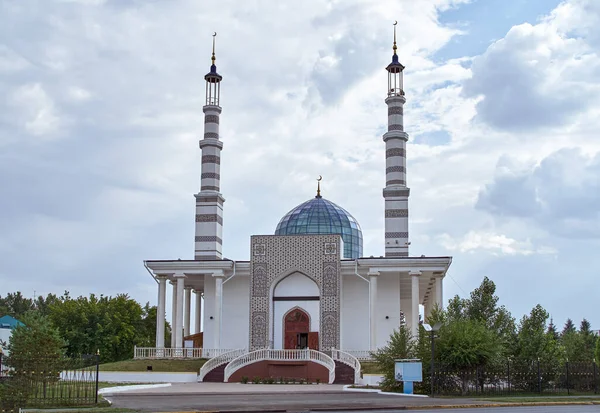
(344, 374)
(216, 375)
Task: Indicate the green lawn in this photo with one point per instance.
(179, 366)
(369, 367)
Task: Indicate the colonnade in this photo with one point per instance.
(410, 309)
(180, 311)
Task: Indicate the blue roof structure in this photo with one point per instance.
(8, 321)
(320, 216)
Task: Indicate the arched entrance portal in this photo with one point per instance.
(297, 333)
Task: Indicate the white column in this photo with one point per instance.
(414, 327)
(198, 295)
(179, 320)
(218, 305)
(373, 309)
(188, 308)
(160, 311)
(173, 313)
(439, 292)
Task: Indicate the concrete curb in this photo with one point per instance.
(120, 389)
(349, 387)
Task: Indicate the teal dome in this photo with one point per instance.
(320, 216)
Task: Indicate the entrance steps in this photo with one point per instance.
(344, 374)
(216, 375)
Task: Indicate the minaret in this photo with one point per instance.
(395, 192)
(209, 201)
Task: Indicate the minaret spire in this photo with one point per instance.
(209, 201)
(213, 58)
(396, 192)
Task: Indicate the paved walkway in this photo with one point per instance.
(237, 388)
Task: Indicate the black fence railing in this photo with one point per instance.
(518, 378)
(55, 382)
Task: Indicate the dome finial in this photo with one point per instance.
(213, 58)
(394, 47)
(319, 187)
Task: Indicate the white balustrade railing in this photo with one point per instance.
(281, 355)
(174, 353)
(219, 360)
(348, 359)
(361, 355)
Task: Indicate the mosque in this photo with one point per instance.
(307, 291)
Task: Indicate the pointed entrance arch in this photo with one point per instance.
(296, 330)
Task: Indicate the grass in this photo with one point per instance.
(370, 367)
(163, 366)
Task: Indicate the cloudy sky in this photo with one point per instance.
(101, 112)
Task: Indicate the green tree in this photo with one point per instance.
(597, 352)
(465, 345)
(552, 330)
(400, 346)
(16, 305)
(569, 327)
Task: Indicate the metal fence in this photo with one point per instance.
(518, 378)
(54, 382)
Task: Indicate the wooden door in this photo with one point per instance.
(313, 340)
(296, 321)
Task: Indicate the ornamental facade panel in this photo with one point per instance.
(395, 152)
(396, 213)
(275, 257)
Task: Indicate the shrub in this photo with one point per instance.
(318, 381)
(244, 379)
(270, 380)
(256, 380)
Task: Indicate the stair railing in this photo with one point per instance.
(281, 355)
(219, 360)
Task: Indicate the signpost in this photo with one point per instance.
(408, 371)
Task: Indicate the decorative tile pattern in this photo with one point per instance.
(211, 159)
(395, 169)
(209, 175)
(209, 218)
(260, 249)
(284, 255)
(398, 192)
(395, 127)
(209, 188)
(209, 199)
(330, 280)
(395, 152)
(395, 110)
(396, 213)
(208, 238)
(211, 135)
(259, 329)
(211, 119)
(396, 234)
(260, 287)
(396, 254)
(396, 182)
(330, 248)
(329, 329)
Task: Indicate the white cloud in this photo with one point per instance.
(496, 244)
(37, 110)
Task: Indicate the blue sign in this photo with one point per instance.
(408, 370)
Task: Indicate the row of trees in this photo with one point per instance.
(478, 333)
(85, 325)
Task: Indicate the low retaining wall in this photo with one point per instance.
(282, 369)
(370, 379)
(146, 377)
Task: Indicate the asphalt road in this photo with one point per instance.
(294, 402)
(532, 409)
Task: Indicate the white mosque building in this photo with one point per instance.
(307, 294)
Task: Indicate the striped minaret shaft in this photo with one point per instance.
(395, 193)
(209, 201)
